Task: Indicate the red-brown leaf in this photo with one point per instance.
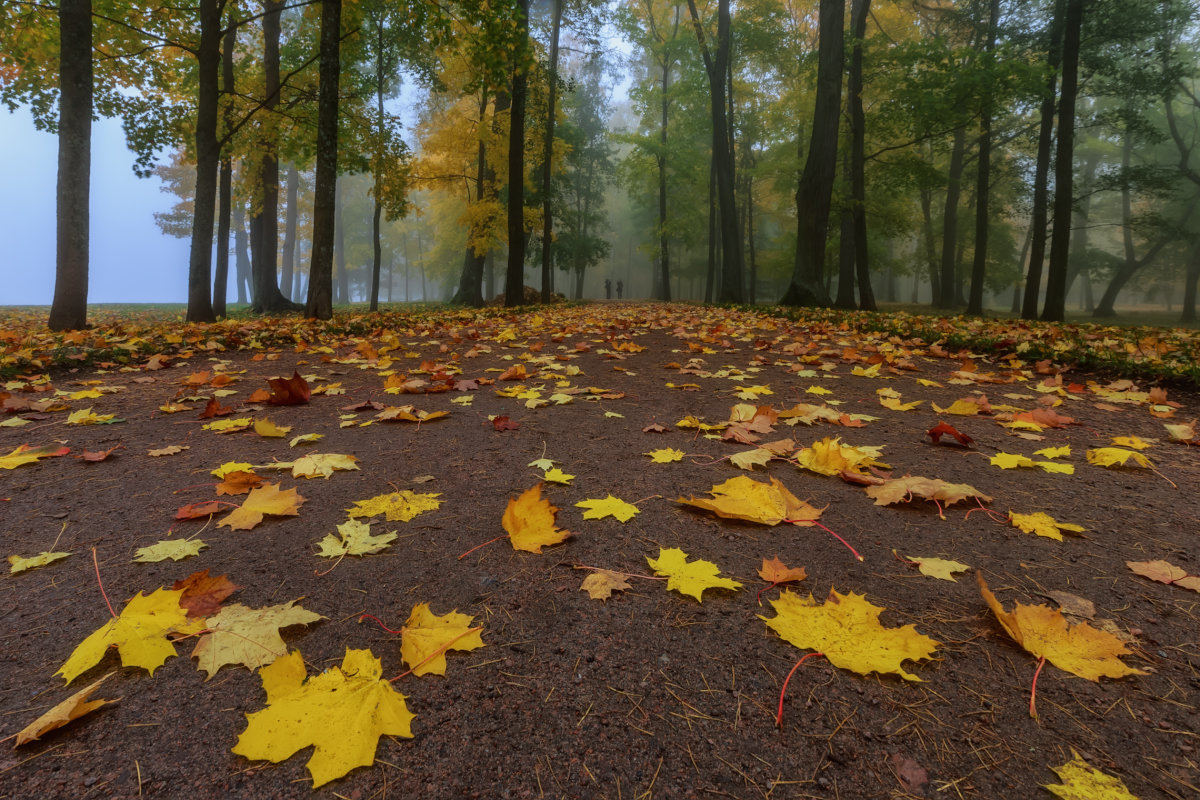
(505, 424)
(291, 391)
(202, 593)
(198, 510)
(942, 429)
(215, 409)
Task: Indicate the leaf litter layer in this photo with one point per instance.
(647, 687)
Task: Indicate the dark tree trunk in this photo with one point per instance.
(208, 67)
(931, 260)
(225, 181)
(320, 272)
(664, 251)
(859, 11)
(377, 245)
(1189, 285)
(514, 284)
(710, 281)
(813, 196)
(469, 282)
(983, 177)
(1041, 170)
(753, 294)
(342, 293)
(289, 233)
(1060, 241)
(947, 292)
(547, 166)
(267, 297)
(245, 290)
(845, 291)
(69, 309)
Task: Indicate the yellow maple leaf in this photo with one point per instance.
(174, 549)
(689, 577)
(608, 507)
(402, 505)
(269, 430)
(556, 475)
(940, 568)
(84, 416)
(529, 521)
(1116, 457)
(749, 459)
(322, 465)
(341, 712)
(70, 709)
(305, 438)
(24, 454)
(426, 637)
(22, 563)
(895, 405)
(830, 457)
(1081, 782)
(601, 583)
(746, 499)
(232, 466)
(354, 538)
(238, 634)
(846, 629)
(1042, 524)
(961, 407)
(1054, 452)
(229, 425)
(665, 455)
(138, 633)
(263, 500)
(1011, 461)
(1079, 649)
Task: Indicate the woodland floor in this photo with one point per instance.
(648, 693)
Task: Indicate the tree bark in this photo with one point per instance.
(1189, 285)
(69, 308)
(224, 181)
(845, 291)
(245, 288)
(377, 245)
(287, 278)
(548, 163)
(813, 196)
(664, 251)
(947, 294)
(267, 297)
(320, 272)
(859, 11)
(208, 67)
(514, 283)
(1060, 241)
(342, 290)
(983, 175)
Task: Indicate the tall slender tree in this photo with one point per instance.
(320, 272)
(514, 284)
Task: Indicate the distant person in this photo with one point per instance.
(620, 288)
(608, 289)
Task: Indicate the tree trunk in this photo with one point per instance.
(859, 11)
(342, 290)
(1041, 171)
(983, 176)
(320, 272)
(265, 224)
(1189, 285)
(225, 180)
(289, 233)
(710, 282)
(208, 67)
(664, 252)
(813, 196)
(245, 289)
(377, 245)
(69, 309)
(548, 162)
(1060, 241)
(845, 291)
(514, 284)
(947, 294)
(931, 260)
(753, 295)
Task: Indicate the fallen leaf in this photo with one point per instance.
(1073, 604)
(203, 594)
(846, 629)
(354, 539)
(174, 549)
(99, 455)
(938, 567)
(746, 499)
(529, 522)
(749, 459)
(85, 417)
(903, 490)
(1117, 457)
(197, 510)
(776, 572)
(269, 430)
(266, 499)
(556, 475)
(169, 450)
(247, 636)
(608, 507)
(1043, 524)
(341, 712)
(1165, 572)
(1079, 649)
(398, 506)
(689, 577)
(1183, 432)
(1081, 782)
(291, 391)
(229, 425)
(24, 454)
(426, 637)
(68, 710)
(912, 774)
(829, 457)
(214, 409)
(306, 438)
(503, 423)
(665, 455)
(322, 465)
(21, 563)
(942, 429)
(236, 483)
(601, 583)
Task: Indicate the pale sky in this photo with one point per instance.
(131, 260)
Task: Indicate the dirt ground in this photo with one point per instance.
(648, 693)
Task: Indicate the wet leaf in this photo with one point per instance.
(529, 521)
(247, 636)
(1082, 782)
(266, 499)
(21, 563)
(174, 549)
(601, 583)
(1043, 524)
(426, 637)
(399, 506)
(689, 577)
(203, 594)
(67, 711)
(746, 499)
(354, 538)
(608, 507)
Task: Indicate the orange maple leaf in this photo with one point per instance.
(529, 520)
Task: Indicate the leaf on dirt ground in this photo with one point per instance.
(204, 508)
(1165, 572)
(608, 507)
(1081, 782)
(903, 490)
(945, 429)
(602, 583)
(775, 572)
(1054, 452)
(941, 568)
(354, 539)
(1016, 460)
(169, 450)
(306, 438)
(266, 499)
(503, 423)
(1079, 649)
(689, 577)
(426, 637)
(139, 634)
(232, 466)
(1043, 524)
(211, 411)
(749, 459)
(84, 416)
(912, 774)
(895, 404)
(746, 499)
(99, 455)
(341, 712)
(398, 506)
(269, 430)
(1117, 457)
(322, 465)
(556, 475)
(1183, 432)
(829, 457)
(248, 636)
(203, 593)
(1073, 604)
(174, 549)
(291, 391)
(236, 483)
(409, 414)
(21, 563)
(846, 629)
(24, 454)
(68, 710)
(665, 455)
(229, 425)
(529, 522)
